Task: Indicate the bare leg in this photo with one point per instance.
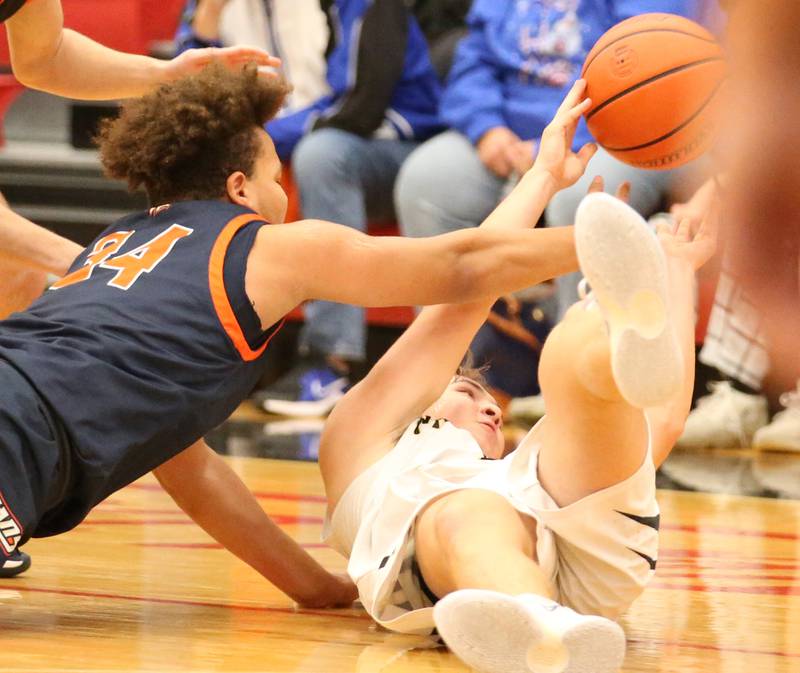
(592, 438)
(496, 614)
(475, 539)
(639, 333)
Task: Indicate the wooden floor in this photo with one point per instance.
(139, 587)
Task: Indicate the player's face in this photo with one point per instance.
(268, 197)
(468, 406)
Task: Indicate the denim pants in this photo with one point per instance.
(344, 178)
(443, 186)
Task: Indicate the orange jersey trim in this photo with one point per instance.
(216, 282)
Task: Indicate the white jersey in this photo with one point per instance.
(598, 552)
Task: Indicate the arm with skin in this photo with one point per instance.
(211, 493)
(33, 246)
(49, 57)
(686, 252)
(415, 370)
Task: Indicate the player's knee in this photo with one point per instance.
(464, 521)
(580, 346)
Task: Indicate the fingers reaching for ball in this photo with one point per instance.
(623, 192)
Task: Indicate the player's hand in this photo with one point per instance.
(696, 208)
(682, 240)
(598, 185)
(338, 592)
(493, 150)
(194, 60)
(555, 154)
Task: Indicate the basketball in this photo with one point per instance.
(654, 81)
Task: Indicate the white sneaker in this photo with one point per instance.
(624, 263)
(783, 433)
(725, 419)
(497, 633)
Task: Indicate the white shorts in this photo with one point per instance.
(598, 552)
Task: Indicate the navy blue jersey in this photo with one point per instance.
(147, 344)
(10, 7)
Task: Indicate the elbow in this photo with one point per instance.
(32, 73)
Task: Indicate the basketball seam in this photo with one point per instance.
(640, 32)
(673, 131)
(650, 80)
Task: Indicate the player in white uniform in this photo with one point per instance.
(531, 554)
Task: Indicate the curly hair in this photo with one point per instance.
(182, 141)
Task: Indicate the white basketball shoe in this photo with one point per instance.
(783, 433)
(625, 266)
(497, 633)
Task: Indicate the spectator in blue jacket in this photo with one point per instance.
(345, 150)
(508, 77)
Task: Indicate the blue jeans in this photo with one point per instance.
(443, 186)
(342, 177)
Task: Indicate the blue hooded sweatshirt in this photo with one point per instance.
(521, 56)
(379, 72)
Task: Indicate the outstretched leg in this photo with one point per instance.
(478, 552)
(621, 357)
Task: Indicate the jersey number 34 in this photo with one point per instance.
(128, 266)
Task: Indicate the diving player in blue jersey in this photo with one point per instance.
(45, 55)
(162, 325)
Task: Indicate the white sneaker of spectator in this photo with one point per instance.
(783, 433)
(727, 418)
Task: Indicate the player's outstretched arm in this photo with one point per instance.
(46, 56)
(210, 492)
(414, 371)
(33, 246)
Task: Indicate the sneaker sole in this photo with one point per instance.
(495, 633)
(626, 268)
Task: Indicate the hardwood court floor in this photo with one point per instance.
(139, 587)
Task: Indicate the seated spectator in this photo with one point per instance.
(736, 412)
(508, 77)
(296, 31)
(345, 150)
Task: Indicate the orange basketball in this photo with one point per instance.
(654, 81)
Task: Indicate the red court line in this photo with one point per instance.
(714, 576)
(792, 590)
(727, 565)
(264, 495)
(285, 519)
(709, 554)
(726, 530)
(714, 648)
(179, 601)
(213, 545)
